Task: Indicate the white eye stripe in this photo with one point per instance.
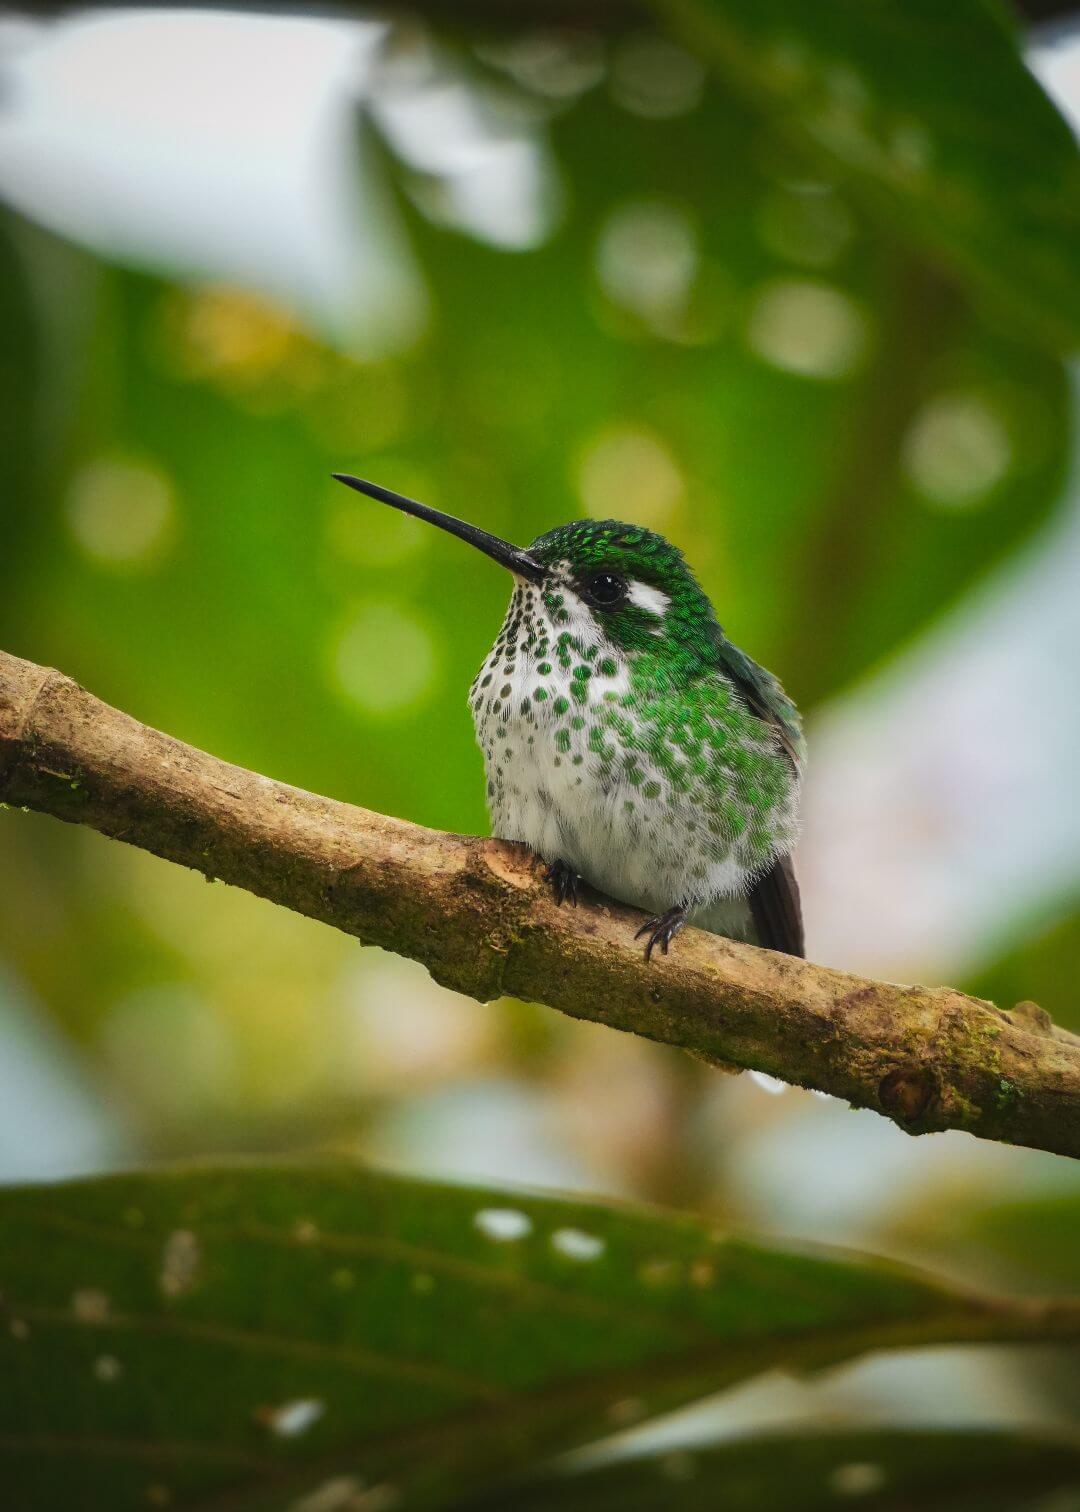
(645, 596)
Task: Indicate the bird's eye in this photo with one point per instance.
(607, 590)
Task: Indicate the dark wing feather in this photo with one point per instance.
(774, 898)
(764, 696)
(776, 910)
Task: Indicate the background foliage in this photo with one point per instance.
(794, 285)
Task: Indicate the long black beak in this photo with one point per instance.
(519, 562)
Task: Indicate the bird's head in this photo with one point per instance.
(598, 578)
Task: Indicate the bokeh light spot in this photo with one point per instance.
(384, 659)
(476, 166)
(808, 328)
(401, 1031)
(655, 78)
(911, 147)
(859, 1478)
(246, 345)
(120, 512)
(222, 331)
(846, 87)
(169, 1050)
(558, 64)
(646, 258)
(629, 474)
(840, 115)
(804, 223)
(957, 450)
(786, 62)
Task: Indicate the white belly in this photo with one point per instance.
(642, 855)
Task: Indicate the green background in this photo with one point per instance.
(797, 288)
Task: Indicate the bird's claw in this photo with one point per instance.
(564, 882)
(661, 930)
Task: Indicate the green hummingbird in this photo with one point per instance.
(627, 741)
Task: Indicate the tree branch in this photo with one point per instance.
(477, 915)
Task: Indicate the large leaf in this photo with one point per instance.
(258, 1332)
(958, 1471)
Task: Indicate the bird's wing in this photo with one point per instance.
(764, 697)
(774, 898)
(776, 910)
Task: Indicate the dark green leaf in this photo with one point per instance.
(885, 1471)
(1031, 1241)
(943, 132)
(262, 1331)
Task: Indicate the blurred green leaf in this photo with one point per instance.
(261, 1332)
(926, 110)
(1035, 1238)
(941, 129)
(1031, 1242)
(883, 1471)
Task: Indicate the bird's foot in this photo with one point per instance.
(564, 882)
(662, 929)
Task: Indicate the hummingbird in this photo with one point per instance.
(627, 742)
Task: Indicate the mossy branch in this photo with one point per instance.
(478, 916)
